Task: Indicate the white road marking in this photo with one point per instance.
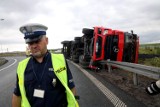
(15, 60)
(111, 96)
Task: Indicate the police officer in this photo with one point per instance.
(44, 79)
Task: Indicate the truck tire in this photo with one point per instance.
(84, 66)
(82, 63)
(87, 31)
(82, 39)
(75, 58)
(65, 42)
(77, 40)
(89, 37)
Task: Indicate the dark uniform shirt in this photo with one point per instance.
(40, 76)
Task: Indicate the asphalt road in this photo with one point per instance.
(94, 91)
(7, 80)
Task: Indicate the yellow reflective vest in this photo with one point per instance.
(59, 67)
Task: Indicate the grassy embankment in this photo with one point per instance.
(150, 49)
(2, 55)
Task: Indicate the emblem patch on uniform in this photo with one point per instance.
(71, 80)
(50, 69)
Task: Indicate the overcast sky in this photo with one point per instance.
(66, 18)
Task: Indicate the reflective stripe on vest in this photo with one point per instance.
(59, 67)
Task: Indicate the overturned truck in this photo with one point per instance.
(101, 43)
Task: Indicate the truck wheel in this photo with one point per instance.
(87, 31)
(65, 42)
(77, 38)
(82, 63)
(75, 56)
(83, 66)
(76, 60)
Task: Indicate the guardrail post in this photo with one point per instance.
(109, 66)
(135, 79)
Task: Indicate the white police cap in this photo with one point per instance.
(33, 32)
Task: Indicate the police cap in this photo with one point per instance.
(33, 32)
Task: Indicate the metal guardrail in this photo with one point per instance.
(148, 71)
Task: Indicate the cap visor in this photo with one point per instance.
(29, 40)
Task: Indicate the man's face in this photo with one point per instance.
(38, 48)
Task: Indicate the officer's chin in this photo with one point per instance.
(37, 54)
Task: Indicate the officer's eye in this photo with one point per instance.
(35, 42)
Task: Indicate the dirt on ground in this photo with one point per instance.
(124, 80)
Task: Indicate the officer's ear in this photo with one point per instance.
(46, 38)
